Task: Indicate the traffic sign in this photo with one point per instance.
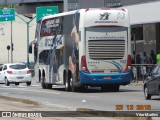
(7, 14)
(44, 11)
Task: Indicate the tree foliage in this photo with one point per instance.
(8, 6)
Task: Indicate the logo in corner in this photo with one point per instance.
(104, 16)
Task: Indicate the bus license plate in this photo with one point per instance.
(107, 78)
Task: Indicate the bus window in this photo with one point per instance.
(43, 56)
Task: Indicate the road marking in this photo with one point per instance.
(35, 85)
(5, 93)
(6, 86)
(41, 91)
(24, 88)
(60, 106)
(138, 100)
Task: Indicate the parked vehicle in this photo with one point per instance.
(15, 73)
(152, 83)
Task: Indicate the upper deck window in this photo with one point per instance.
(51, 27)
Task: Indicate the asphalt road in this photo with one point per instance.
(128, 98)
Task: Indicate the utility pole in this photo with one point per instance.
(11, 41)
(27, 23)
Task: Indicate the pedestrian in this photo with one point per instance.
(144, 61)
(158, 57)
(152, 57)
(133, 66)
(138, 62)
(133, 58)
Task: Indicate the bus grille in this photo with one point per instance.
(106, 49)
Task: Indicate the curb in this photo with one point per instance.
(119, 114)
(26, 101)
(139, 83)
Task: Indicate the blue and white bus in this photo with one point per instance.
(86, 47)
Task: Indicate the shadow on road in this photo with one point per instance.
(97, 90)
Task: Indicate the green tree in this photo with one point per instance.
(9, 6)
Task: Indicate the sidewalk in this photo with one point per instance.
(137, 83)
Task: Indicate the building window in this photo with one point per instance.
(137, 33)
(73, 5)
(112, 3)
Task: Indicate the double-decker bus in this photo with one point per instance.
(81, 48)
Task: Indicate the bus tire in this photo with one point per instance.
(72, 82)
(67, 84)
(49, 86)
(43, 84)
(82, 88)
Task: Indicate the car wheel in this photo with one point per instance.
(28, 83)
(16, 83)
(7, 82)
(146, 94)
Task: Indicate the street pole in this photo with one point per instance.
(11, 41)
(8, 56)
(27, 43)
(27, 23)
(11, 44)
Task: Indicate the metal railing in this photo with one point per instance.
(141, 71)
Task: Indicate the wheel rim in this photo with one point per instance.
(71, 82)
(66, 83)
(146, 91)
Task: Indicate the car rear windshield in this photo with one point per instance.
(17, 66)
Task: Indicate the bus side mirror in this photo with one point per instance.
(30, 49)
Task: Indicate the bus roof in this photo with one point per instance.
(59, 14)
(73, 12)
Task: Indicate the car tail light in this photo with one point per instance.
(9, 72)
(84, 64)
(28, 71)
(128, 67)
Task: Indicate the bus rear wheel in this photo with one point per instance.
(67, 83)
(72, 83)
(48, 86)
(43, 84)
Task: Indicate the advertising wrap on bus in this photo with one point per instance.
(87, 47)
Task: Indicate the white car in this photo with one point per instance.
(15, 73)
